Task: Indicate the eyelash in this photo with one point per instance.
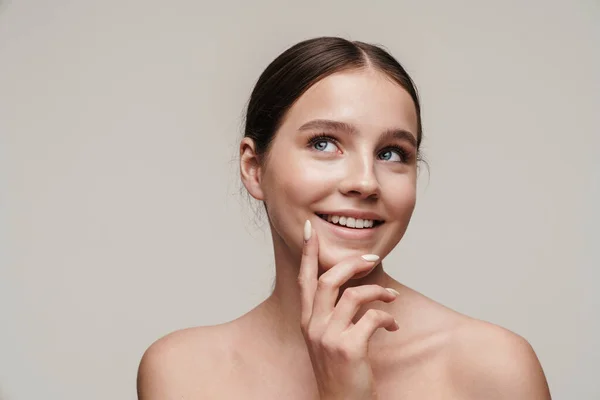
(319, 137)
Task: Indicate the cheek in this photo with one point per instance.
(291, 185)
(299, 183)
(399, 199)
(399, 195)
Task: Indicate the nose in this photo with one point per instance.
(360, 179)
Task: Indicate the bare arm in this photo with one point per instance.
(153, 379)
(182, 365)
(499, 365)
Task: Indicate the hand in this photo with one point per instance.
(338, 348)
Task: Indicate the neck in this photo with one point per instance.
(283, 307)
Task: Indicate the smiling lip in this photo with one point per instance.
(352, 233)
(343, 232)
(356, 214)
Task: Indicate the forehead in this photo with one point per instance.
(367, 98)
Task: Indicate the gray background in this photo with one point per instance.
(120, 210)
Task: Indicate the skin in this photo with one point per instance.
(434, 352)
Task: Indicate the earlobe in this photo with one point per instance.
(250, 168)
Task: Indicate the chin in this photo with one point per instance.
(332, 256)
(326, 263)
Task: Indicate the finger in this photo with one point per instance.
(352, 299)
(366, 326)
(328, 285)
(309, 268)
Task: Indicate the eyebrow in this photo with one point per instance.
(326, 124)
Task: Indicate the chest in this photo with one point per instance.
(405, 380)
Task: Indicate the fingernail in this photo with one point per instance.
(370, 257)
(307, 230)
(393, 291)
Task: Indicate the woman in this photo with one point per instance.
(331, 148)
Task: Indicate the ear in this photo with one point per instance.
(250, 169)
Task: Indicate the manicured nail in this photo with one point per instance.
(393, 291)
(370, 257)
(307, 230)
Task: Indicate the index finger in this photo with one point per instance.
(309, 269)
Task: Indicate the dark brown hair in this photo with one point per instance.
(303, 65)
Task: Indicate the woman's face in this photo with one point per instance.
(345, 154)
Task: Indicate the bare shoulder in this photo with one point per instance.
(492, 362)
(185, 364)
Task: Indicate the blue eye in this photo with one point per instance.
(324, 145)
(394, 155)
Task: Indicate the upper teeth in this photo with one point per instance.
(349, 221)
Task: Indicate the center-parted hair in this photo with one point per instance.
(298, 68)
